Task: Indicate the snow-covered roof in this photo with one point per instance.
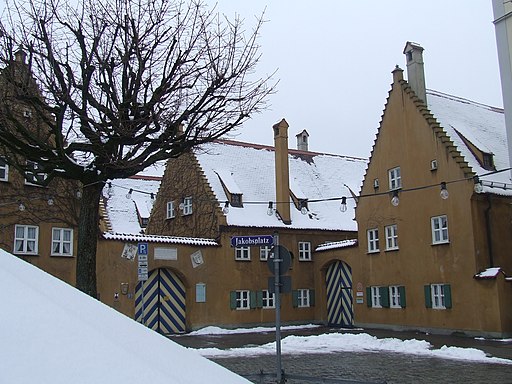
(160, 239)
(336, 245)
(483, 126)
(69, 337)
(124, 208)
(315, 176)
(489, 273)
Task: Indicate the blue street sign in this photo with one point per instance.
(252, 241)
(142, 248)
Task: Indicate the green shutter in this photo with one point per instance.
(428, 296)
(401, 290)
(252, 299)
(259, 299)
(295, 298)
(311, 297)
(447, 296)
(384, 296)
(369, 297)
(232, 299)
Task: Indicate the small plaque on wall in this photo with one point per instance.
(197, 259)
(166, 254)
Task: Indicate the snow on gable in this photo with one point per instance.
(481, 125)
(318, 177)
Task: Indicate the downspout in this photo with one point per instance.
(488, 229)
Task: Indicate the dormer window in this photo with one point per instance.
(487, 161)
(236, 200)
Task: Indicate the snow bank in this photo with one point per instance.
(53, 333)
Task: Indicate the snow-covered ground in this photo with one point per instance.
(52, 333)
(344, 342)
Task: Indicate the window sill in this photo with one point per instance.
(64, 256)
(373, 252)
(392, 250)
(305, 259)
(242, 259)
(441, 243)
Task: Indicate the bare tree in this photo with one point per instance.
(122, 84)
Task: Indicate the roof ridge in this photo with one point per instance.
(290, 150)
(464, 100)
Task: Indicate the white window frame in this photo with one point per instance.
(303, 299)
(439, 225)
(265, 252)
(394, 296)
(187, 206)
(243, 253)
(61, 242)
(437, 293)
(375, 297)
(304, 251)
(4, 170)
(391, 232)
(268, 299)
(395, 178)
(29, 245)
(33, 177)
(372, 235)
(170, 214)
(243, 300)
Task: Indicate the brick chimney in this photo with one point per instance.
(415, 71)
(282, 171)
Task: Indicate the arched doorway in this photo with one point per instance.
(162, 306)
(340, 311)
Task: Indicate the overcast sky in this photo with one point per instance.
(335, 58)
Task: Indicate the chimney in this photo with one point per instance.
(302, 140)
(282, 171)
(415, 72)
(20, 56)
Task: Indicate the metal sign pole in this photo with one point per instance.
(277, 294)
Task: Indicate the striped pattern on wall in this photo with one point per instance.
(164, 302)
(340, 311)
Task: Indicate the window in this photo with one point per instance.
(62, 242)
(374, 297)
(4, 170)
(391, 237)
(303, 298)
(439, 229)
(395, 180)
(304, 251)
(170, 210)
(200, 293)
(373, 240)
(268, 299)
(265, 252)
(26, 239)
(187, 206)
(241, 300)
(438, 296)
(396, 296)
(242, 253)
(33, 175)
